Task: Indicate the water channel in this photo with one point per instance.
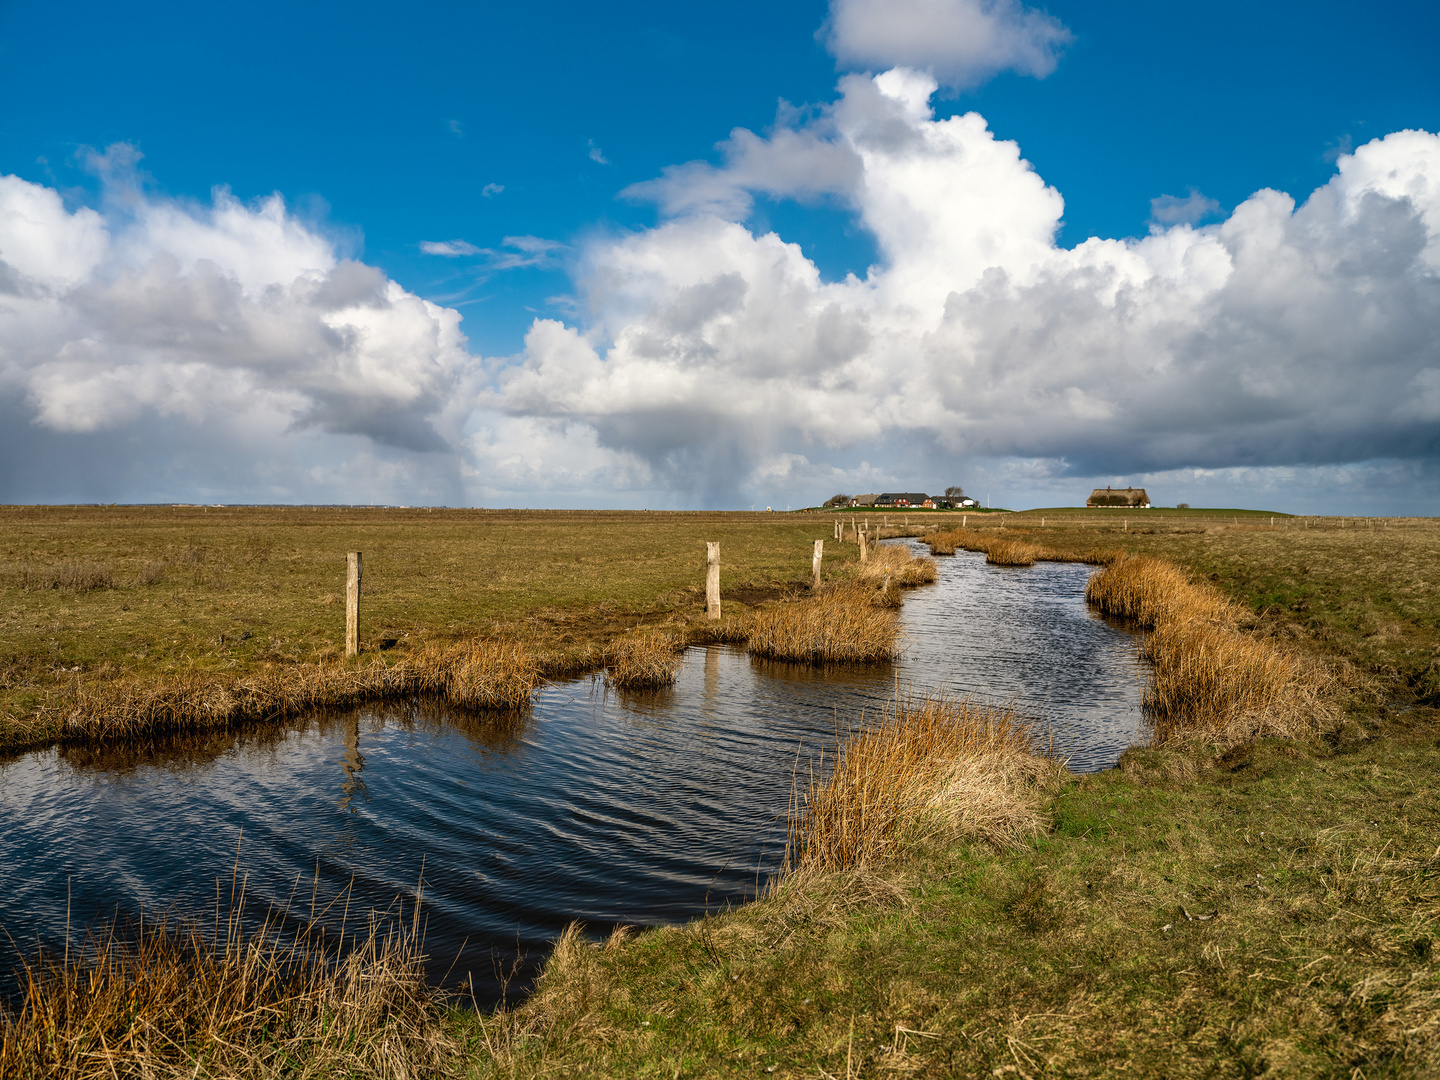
(598, 806)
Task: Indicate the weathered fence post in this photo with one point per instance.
(815, 563)
(712, 579)
(962, 520)
(352, 603)
(864, 554)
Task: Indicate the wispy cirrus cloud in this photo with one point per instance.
(451, 249)
(514, 252)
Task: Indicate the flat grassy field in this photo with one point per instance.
(1267, 909)
(90, 595)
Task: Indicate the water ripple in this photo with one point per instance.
(603, 807)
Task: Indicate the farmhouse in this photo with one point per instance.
(1122, 498)
(864, 500)
(905, 499)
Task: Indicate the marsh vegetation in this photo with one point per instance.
(1255, 893)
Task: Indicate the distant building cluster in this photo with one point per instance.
(1122, 498)
(913, 500)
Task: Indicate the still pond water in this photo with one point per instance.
(603, 807)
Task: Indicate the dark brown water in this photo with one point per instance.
(602, 807)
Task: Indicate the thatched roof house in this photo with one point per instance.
(864, 500)
(1124, 498)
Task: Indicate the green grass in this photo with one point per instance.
(1270, 911)
(233, 590)
(1276, 912)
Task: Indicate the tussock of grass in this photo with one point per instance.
(1011, 553)
(176, 999)
(1007, 551)
(898, 564)
(732, 628)
(1152, 592)
(843, 625)
(933, 767)
(475, 675)
(644, 659)
(73, 575)
(1210, 681)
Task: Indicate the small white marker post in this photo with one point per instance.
(352, 603)
(712, 579)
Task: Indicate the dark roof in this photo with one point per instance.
(902, 496)
(1118, 497)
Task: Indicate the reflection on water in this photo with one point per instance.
(608, 808)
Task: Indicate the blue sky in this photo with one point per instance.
(514, 134)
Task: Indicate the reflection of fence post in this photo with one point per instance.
(864, 553)
(712, 580)
(352, 603)
(815, 563)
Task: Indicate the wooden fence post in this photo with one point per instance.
(864, 554)
(352, 603)
(712, 579)
(815, 563)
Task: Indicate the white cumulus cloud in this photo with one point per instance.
(961, 42)
(1284, 336)
(211, 330)
(152, 347)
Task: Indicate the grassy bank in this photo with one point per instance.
(1235, 902)
(111, 615)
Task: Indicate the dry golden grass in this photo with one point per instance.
(73, 575)
(475, 675)
(933, 767)
(1011, 553)
(898, 565)
(1210, 681)
(842, 625)
(177, 999)
(1151, 592)
(644, 660)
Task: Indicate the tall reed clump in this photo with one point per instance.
(1007, 551)
(933, 767)
(1011, 553)
(1210, 681)
(475, 675)
(943, 543)
(898, 564)
(844, 624)
(646, 659)
(176, 999)
(74, 575)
